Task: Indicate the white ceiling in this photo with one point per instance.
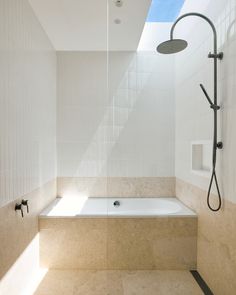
(83, 24)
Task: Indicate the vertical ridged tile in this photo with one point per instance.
(27, 102)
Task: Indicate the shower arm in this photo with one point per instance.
(213, 105)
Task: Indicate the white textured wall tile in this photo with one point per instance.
(129, 132)
(27, 102)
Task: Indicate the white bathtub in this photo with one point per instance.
(104, 207)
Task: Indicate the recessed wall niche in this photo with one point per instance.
(201, 157)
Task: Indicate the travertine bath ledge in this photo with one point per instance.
(116, 207)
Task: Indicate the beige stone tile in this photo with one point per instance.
(141, 186)
(160, 283)
(82, 186)
(179, 253)
(216, 253)
(152, 243)
(118, 243)
(73, 243)
(16, 232)
(100, 283)
(116, 186)
(76, 282)
(60, 282)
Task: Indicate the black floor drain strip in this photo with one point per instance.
(202, 284)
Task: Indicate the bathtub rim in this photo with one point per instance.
(190, 214)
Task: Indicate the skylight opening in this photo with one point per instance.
(164, 10)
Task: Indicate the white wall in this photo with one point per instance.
(129, 132)
(27, 102)
(193, 115)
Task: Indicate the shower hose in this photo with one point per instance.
(216, 145)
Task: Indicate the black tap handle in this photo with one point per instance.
(25, 203)
(19, 207)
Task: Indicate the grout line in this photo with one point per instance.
(202, 284)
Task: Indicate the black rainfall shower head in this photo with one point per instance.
(172, 46)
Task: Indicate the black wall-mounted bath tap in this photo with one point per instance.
(25, 203)
(18, 207)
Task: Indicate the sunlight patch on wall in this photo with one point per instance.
(25, 275)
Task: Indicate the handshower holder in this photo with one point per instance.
(219, 55)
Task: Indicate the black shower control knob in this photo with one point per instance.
(220, 145)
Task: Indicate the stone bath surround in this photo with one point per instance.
(118, 243)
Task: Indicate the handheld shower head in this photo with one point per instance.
(172, 46)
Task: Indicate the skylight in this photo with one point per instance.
(164, 10)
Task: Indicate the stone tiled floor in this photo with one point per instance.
(69, 282)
